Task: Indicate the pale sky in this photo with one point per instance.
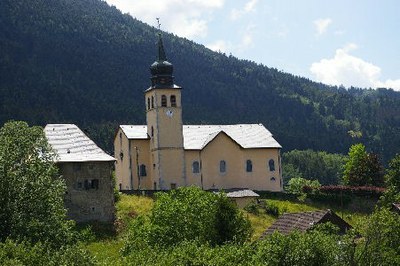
(341, 42)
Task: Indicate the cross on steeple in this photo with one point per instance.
(158, 23)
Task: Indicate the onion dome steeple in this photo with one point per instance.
(161, 70)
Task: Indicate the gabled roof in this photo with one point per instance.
(303, 221)
(72, 145)
(196, 137)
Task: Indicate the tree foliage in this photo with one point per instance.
(362, 168)
(392, 181)
(325, 167)
(380, 244)
(375, 242)
(297, 185)
(14, 253)
(190, 214)
(31, 202)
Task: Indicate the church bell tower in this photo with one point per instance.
(164, 124)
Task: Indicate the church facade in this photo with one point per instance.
(165, 154)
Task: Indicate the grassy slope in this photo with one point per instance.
(106, 247)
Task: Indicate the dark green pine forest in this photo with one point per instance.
(84, 62)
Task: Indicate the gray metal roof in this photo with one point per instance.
(196, 137)
(242, 194)
(72, 145)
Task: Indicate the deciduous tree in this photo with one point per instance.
(31, 202)
(362, 168)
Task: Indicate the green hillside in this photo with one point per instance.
(83, 62)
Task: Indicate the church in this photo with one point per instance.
(165, 154)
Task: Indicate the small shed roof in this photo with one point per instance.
(242, 194)
(196, 137)
(303, 221)
(72, 145)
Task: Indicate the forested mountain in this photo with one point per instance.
(84, 62)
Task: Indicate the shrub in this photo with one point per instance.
(189, 214)
(24, 253)
(271, 209)
(252, 207)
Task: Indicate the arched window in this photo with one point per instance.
(163, 101)
(273, 179)
(173, 100)
(222, 166)
(152, 101)
(196, 167)
(142, 170)
(271, 165)
(249, 166)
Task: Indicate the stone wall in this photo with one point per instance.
(89, 195)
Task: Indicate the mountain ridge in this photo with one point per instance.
(84, 62)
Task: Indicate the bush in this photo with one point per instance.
(252, 207)
(271, 209)
(187, 214)
(192, 253)
(302, 187)
(13, 253)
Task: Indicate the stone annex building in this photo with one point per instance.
(165, 154)
(87, 172)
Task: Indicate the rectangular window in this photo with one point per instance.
(173, 185)
(95, 184)
(87, 184)
(196, 167)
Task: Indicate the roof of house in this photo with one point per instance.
(72, 145)
(302, 221)
(196, 137)
(242, 194)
